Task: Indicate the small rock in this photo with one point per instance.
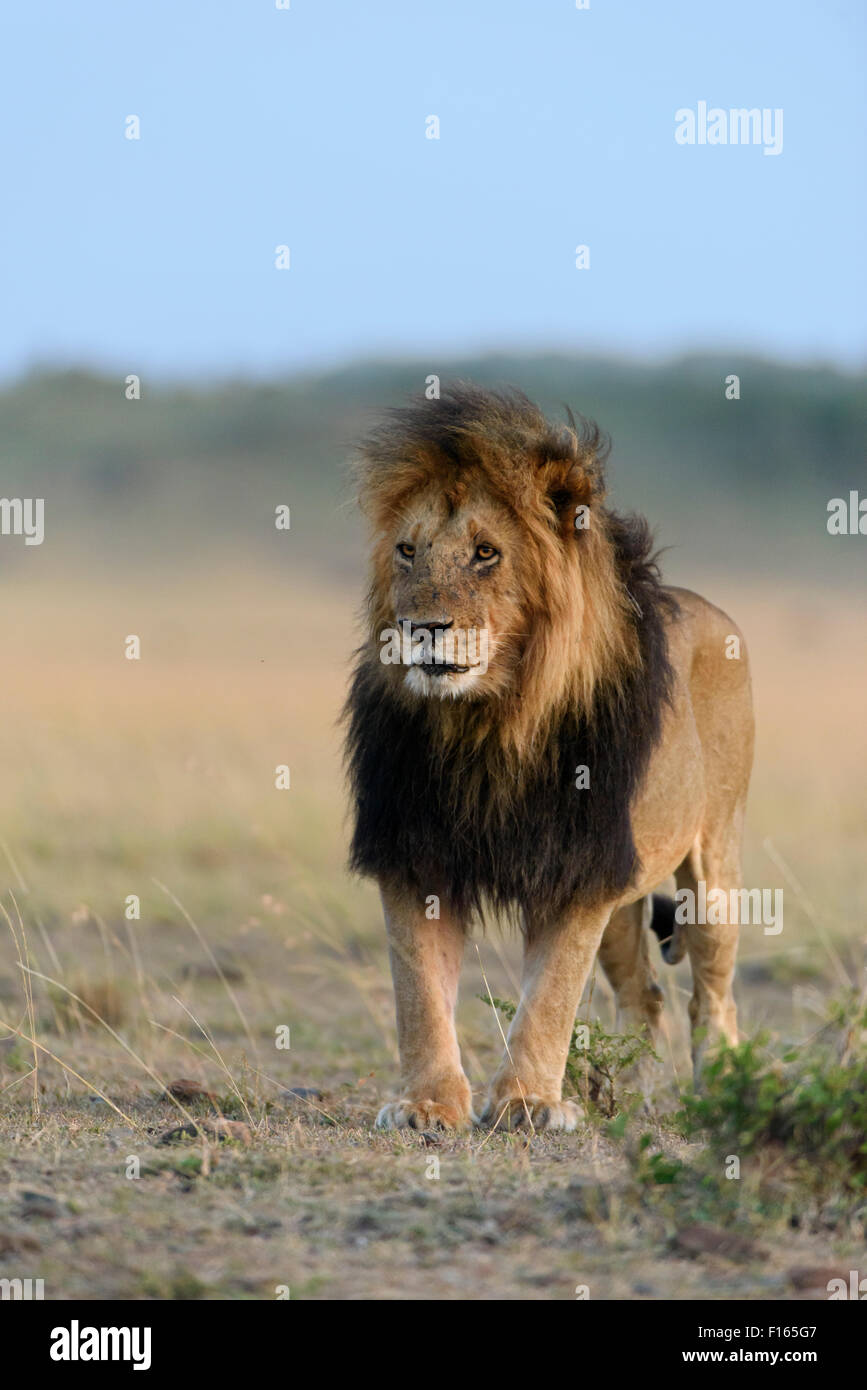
(248, 1226)
(539, 1278)
(204, 970)
(13, 1244)
(81, 1230)
(302, 1093)
(489, 1232)
(184, 1089)
(40, 1204)
(711, 1240)
(816, 1276)
(218, 1128)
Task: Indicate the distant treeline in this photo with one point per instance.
(196, 457)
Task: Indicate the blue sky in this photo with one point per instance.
(307, 127)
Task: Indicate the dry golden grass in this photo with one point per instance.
(156, 778)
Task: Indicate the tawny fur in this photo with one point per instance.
(571, 648)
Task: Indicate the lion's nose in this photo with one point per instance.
(428, 625)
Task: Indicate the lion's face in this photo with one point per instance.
(454, 596)
(494, 598)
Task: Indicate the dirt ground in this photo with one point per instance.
(155, 780)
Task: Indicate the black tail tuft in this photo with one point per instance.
(663, 925)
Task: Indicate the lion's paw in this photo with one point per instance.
(531, 1112)
(421, 1114)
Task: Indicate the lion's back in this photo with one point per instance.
(715, 657)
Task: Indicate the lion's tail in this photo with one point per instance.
(669, 933)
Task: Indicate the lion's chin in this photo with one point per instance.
(444, 685)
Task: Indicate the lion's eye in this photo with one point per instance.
(406, 550)
(485, 552)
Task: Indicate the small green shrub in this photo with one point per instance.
(810, 1104)
(597, 1065)
(597, 1060)
(656, 1168)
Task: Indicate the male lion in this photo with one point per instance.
(602, 744)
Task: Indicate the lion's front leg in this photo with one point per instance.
(426, 960)
(526, 1091)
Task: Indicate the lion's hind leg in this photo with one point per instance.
(624, 955)
(712, 947)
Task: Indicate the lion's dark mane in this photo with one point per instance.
(536, 845)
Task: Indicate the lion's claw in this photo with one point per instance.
(531, 1112)
(421, 1114)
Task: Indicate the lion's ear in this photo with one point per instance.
(570, 473)
(568, 490)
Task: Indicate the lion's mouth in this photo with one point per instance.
(440, 668)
